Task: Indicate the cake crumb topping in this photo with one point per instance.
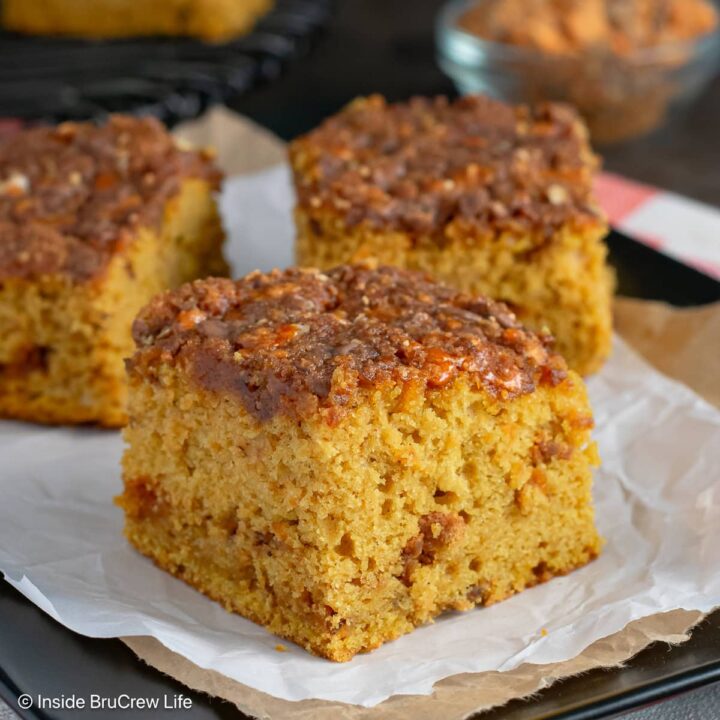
(419, 166)
(71, 195)
(292, 341)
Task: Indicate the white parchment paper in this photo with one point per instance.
(657, 498)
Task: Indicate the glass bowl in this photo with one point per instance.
(620, 97)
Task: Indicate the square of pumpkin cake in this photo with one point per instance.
(490, 198)
(94, 221)
(209, 20)
(342, 456)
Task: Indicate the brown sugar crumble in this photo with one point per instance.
(287, 341)
(568, 27)
(71, 195)
(421, 164)
(437, 530)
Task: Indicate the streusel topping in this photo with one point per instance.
(291, 341)
(419, 166)
(71, 195)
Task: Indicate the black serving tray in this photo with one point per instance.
(40, 656)
(54, 79)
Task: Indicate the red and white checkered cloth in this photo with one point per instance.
(672, 224)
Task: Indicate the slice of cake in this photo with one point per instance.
(94, 221)
(343, 456)
(486, 197)
(213, 20)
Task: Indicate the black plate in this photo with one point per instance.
(40, 656)
(55, 79)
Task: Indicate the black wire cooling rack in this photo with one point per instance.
(174, 79)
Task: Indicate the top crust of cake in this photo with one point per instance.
(417, 166)
(71, 195)
(292, 341)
